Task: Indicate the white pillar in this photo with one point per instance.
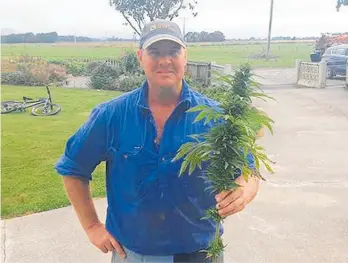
(228, 69)
(298, 64)
(322, 74)
(347, 74)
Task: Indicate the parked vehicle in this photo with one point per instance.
(336, 58)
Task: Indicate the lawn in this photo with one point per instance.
(226, 54)
(31, 146)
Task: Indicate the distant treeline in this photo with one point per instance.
(51, 37)
(216, 36)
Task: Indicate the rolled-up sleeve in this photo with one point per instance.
(251, 161)
(86, 148)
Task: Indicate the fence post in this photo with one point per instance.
(322, 74)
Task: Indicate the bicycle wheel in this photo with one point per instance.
(10, 106)
(45, 110)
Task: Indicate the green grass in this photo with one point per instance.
(231, 54)
(30, 146)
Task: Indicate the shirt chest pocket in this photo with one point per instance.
(134, 168)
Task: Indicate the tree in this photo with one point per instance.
(139, 12)
(340, 3)
(204, 36)
(216, 36)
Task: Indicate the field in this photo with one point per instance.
(31, 146)
(287, 53)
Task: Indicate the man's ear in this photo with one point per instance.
(140, 56)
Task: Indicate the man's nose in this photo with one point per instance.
(164, 60)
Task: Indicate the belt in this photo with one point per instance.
(198, 257)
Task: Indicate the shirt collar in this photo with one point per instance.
(184, 101)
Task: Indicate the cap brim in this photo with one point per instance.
(157, 38)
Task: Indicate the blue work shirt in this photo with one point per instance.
(151, 210)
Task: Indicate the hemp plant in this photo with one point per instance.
(227, 145)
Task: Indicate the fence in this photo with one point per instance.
(200, 72)
(311, 74)
(108, 60)
(203, 72)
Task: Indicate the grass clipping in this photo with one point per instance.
(227, 145)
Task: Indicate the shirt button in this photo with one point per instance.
(163, 159)
(125, 156)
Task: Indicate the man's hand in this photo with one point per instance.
(101, 238)
(231, 202)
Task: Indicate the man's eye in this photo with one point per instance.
(175, 52)
(153, 52)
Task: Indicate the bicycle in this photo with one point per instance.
(41, 106)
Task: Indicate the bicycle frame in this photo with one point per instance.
(32, 103)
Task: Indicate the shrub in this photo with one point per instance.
(13, 78)
(129, 63)
(8, 65)
(104, 77)
(56, 73)
(129, 82)
(125, 76)
(75, 68)
(34, 73)
(91, 66)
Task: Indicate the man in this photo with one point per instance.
(153, 215)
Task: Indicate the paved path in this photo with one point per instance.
(287, 76)
(300, 214)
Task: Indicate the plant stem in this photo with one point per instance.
(217, 231)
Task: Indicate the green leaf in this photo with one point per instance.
(200, 116)
(198, 108)
(268, 167)
(184, 166)
(261, 95)
(183, 150)
(226, 165)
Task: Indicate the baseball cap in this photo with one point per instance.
(160, 30)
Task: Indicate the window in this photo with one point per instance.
(340, 51)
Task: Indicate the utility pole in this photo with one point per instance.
(269, 30)
(184, 28)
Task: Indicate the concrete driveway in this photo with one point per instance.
(299, 215)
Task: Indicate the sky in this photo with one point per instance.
(235, 18)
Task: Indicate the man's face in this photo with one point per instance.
(164, 63)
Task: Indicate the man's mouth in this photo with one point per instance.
(165, 71)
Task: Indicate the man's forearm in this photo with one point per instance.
(80, 198)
